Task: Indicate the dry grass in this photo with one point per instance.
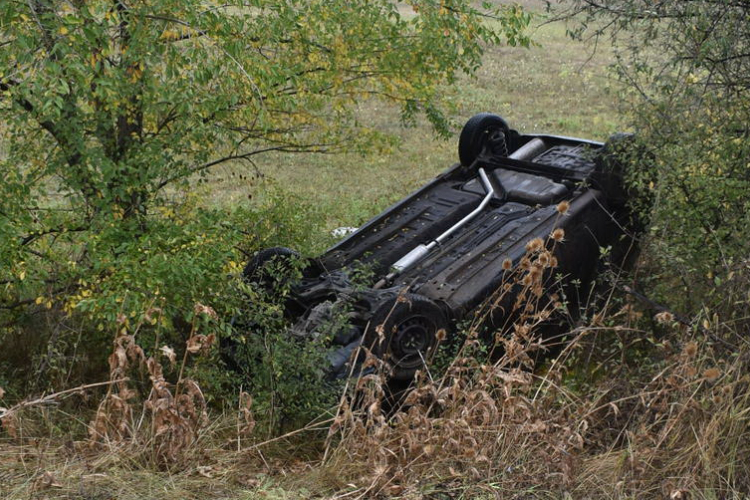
(674, 423)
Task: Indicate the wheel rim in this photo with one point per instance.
(412, 341)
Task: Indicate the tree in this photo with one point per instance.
(105, 104)
(687, 64)
(118, 99)
(707, 40)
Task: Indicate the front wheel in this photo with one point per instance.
(270, 267)
(405, 334)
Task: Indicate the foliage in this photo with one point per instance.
(285, 373)
(110, 111)
(151, 277)
(287, 367)
(124, 100)
(687, 67)
(701, 229)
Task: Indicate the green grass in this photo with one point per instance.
(558, 87)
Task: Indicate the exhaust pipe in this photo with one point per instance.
(531, 149)
(528, 151)
(421, 251)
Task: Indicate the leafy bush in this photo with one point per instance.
(686, 65)
(701, 214)
(116, 274)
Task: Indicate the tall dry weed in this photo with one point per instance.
(684, 431)
(670, 422)
(481, 418)
(171, 415)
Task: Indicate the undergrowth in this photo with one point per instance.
(636, 402)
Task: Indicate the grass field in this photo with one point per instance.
(559, 86)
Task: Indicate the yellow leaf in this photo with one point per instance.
(169, 35)
(39, 300)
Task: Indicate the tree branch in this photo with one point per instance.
(52, 398)
(34, 236)
(678, 317)
(25, 302)
(200, 168)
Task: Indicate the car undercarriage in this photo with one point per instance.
(433, 258)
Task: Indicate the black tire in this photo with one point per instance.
(611, 164)
(256, 271)
(409, 333)
(482, 130)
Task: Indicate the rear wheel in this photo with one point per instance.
(625, 169)
(483, 131)
(409, 333)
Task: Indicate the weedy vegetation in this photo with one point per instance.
(149, 149)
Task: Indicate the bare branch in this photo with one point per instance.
(53, 398)
(200, 168)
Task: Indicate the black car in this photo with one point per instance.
(437, 255)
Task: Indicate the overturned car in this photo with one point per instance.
(436, 256)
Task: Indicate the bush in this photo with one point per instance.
(700, 229)
(117, 275)
(685, 67)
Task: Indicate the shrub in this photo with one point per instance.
(701, 209)
(116, 275)
(685, 67)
